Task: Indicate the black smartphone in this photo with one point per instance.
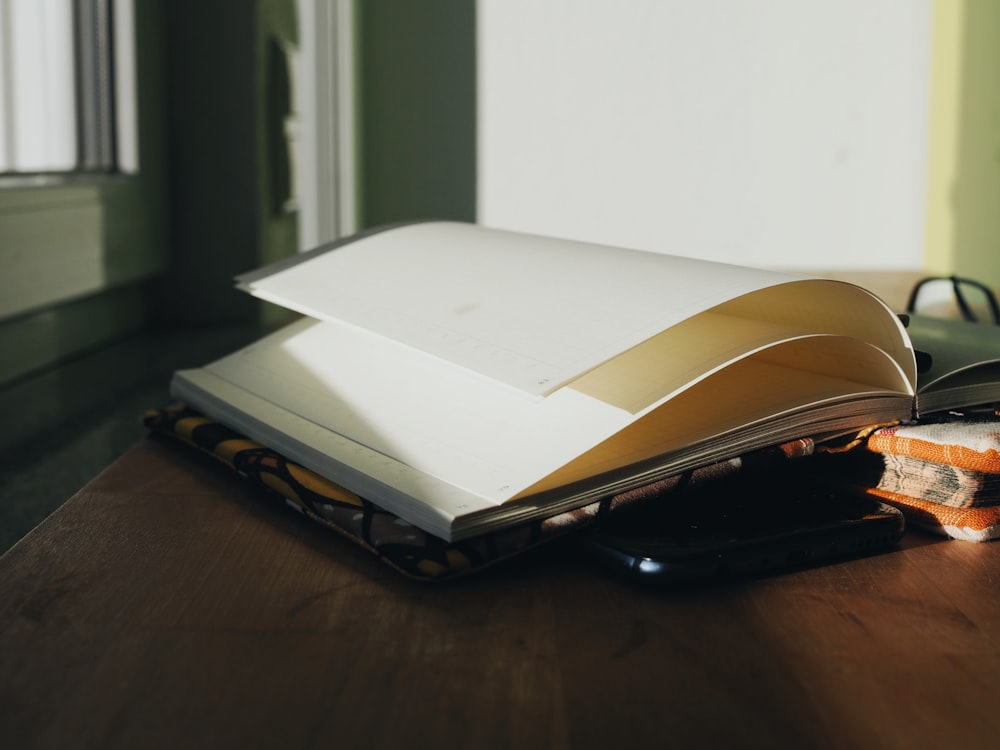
(744, 526)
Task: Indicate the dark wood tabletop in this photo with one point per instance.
(170, 604)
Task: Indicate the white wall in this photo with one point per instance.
(784, 133)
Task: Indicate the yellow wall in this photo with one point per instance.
(963, 200)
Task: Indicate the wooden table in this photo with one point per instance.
(169, 604)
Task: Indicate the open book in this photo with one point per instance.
(466, 379)
(964, 368)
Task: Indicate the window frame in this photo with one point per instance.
(75, 248)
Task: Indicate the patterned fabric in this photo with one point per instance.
(939, 483)
(945, 476)
(967, 524)
(403, 546)
(974, 446)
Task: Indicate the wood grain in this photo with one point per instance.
(168, 604)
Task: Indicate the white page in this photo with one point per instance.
(446, 423)
(953, 345)
(530, 312)
(369, 474)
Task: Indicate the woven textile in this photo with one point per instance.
(945, 477)
(396, 542)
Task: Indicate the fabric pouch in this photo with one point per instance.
(944, 476)
(396, 542)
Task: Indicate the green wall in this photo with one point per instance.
(963, 208)
(222, 90)
(417, 110)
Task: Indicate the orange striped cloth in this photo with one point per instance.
(944, 476)
(974, 446)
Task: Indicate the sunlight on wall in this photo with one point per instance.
(963, 196)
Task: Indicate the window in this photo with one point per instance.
(67, 87)
(327, 174)
(82, 189)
